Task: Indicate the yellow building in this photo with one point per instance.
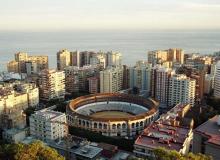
(27, 64)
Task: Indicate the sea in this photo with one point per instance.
(133, 44)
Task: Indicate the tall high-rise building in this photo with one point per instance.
(76, 78)
(160, 83)
(162, 56)
(51, 84)
(217, 81)
(114, 59)
(140, 76)
(28, 64)
(111, 80)
(63, 59)
(94, 85)
(181, 90)
(75, 58)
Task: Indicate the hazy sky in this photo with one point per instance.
(109, 14)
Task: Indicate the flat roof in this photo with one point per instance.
(88, 151)
(48, 114)
(210, 129)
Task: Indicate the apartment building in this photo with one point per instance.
(76, 78)
(48, 125)
(181, 90)
(140, 76)
(217, 81)
(51, 84)
(162, 56)
(111, 80)
(14, 99)
(24, 63)
(63, 59)
(160, 83)
(113, 59)
(94, 85)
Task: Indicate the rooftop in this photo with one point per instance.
(88, 151)
(210, 129)
(166, 132)
(48, 114)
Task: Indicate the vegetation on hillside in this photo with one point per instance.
(34, 151)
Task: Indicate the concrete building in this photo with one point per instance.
(48, 125)
(71, 79)
(125, 84)
(111, 80)
(14, 99)
(168, 132)
(181, 90)
(200, 80)
(94, 84)
(76, 78)
(217, 81)
(13, 66)
(51, 84)
(160, 83)
(63, 59)
(113, 59)
(208, 84)
(27, 64)
(206, 139)
(140, 76)
(162, 56)
(75, 58)
(98, 59)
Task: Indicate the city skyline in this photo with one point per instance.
(102, 14)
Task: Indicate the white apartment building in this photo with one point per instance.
(48, 125)
(140, 76)
(111, 80)
(181, 90)
(63, 59)
(51, 84)
(217, 81)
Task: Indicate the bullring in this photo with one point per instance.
(112, 114)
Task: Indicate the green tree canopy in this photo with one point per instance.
(34, 151)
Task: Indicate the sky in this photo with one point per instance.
(49, 15)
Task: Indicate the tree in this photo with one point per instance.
(164, 154)
(35, 151)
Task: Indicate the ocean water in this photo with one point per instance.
(133, 45)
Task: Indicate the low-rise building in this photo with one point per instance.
(15, 135)
(14, 99)
(206, 139)
(168, 132)
(48, 125)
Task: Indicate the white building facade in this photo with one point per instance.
(48, 125)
